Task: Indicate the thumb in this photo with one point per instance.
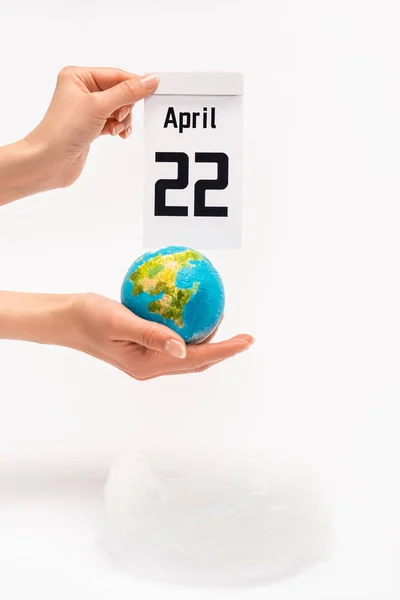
(153, 336)
(127, 92)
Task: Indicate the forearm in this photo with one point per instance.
(21, 171)
(41, 318)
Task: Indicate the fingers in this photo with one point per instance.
(152, 336)
(125, 93)
(198, 356)
(201, 358)
(101, 78)
(198, 359)
(126, 133)
(123, 112)
(143, 364)
(198, 370)
(110, 89)
(116, 128)
(120, 123)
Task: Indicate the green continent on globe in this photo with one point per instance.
(158, 276)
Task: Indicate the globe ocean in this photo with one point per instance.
(178, 287)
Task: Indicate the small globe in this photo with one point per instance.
(178, 287)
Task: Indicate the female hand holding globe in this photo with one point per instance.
(107, 330)
(88, 103)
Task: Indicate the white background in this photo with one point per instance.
(321, 247)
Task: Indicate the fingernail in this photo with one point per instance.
(149, 82)
(123, 113)
(175, 348)
(128, 131)
(117, 129)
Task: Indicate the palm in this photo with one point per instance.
(117, 336)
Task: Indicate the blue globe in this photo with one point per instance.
(178, 287)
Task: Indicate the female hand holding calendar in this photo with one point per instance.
(87, 103)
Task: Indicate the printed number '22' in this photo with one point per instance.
(200, 187)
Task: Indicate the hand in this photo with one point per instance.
(144, 350)
(87, 103)
(107, 330)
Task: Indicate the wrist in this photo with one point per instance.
(24, 170)
(40, 318)
(39, 159)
